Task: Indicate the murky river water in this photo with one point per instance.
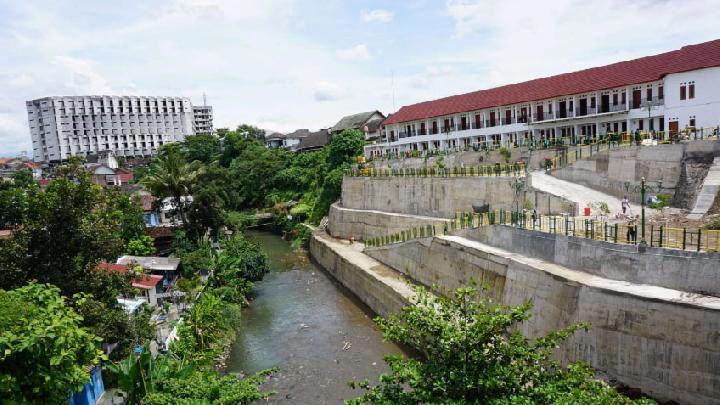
(308, 325)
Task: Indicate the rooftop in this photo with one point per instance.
(152, 262)
(353, 121)
(642, 70)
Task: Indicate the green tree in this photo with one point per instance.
(473, 353)
(345, 147)
(204, 148)
(141, 246)
(172, 176)
(22, 178)
(251, 132)
(43, 349)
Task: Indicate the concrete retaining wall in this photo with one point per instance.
(610, 171)
(661, 341)
(381, 288)
(441, 197)
(362, 224)
(696, 272)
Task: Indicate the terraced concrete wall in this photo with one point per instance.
(441, 197)
(610, 171)
(647, 337)
(362, 224)
(696, 272)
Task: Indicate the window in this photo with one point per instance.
(682, 92)
(570, 105)
(692, 120)
(660, 93)
(691, 91)
(649, 93)
(592, 102)
(623, 98)
(615, 98)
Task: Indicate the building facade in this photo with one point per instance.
(203, 120)
(667, 92)
(62, 127)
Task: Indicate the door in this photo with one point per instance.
(523, 114)
(636, 99)
(583, 107)
(673, 127)
(539, 113)
(422, 128)
(463, 123)
(605, 103)
(508, 117)
(434, 128)
(492, 118)
(477, 121)
(446, 126)
(562, 110)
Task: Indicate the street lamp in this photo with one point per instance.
(642, 211)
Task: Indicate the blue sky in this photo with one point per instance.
(287, 64)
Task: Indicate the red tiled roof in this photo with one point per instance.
(145, 282)
(619, 74)
(6, 233)
(4, 161)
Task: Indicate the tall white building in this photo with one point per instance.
(62, 127)
(203, 119)
(666, 92)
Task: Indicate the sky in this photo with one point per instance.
(288, 64)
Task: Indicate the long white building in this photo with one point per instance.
(62, 127)
(666, 92)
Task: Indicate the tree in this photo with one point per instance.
(251, 132)
(473, 353)
(172, 176)
(141, 246)
(204, 148)
(43, 350)
(22, 178)
(345, 147)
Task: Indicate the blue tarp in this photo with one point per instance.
(92, 390)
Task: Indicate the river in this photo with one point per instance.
(309, 326)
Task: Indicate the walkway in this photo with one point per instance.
(710, 189)
(583, 196)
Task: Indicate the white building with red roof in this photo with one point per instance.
(671, 91)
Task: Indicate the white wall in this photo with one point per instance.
(706, 104)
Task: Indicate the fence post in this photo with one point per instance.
(661, 236)
(684, 237)
(699, 239)
(651, 235)
(616, 232)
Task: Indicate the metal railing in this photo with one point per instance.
(497, 170)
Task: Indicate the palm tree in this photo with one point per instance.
(172, 176)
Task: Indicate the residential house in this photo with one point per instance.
(148, 285)
(167, 267)
(356, 121)
(314, 141)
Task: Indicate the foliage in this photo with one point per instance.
(251, 132)
(240, 262)
(345, 147)
(474, 353)
(196, 260)
(22, 178)
(171, 175)
(663, 201)
(43, 348)
(210, 325)
(240, 220)
(141, 246)
(61, 232)
(505, 153)
(209, 388)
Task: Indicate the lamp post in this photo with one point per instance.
(642, 211)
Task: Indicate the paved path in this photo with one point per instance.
(710, 188)
(582, 195)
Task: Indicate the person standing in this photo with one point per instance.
(625, 204)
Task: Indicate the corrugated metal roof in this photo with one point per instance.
(642, 70)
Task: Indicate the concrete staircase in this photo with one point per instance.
(710, 188)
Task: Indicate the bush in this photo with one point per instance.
(141, 246)
(240, 220)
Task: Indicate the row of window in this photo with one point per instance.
(687, 91)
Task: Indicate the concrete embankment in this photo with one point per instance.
(662, 341)
(694, 272)
(442, 197)
(364, 224)
(680, 167)
(381, 288)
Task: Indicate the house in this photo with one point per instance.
(314, 141)
(288, 141)
(665, 92)
(8, 167)
(149, 285)
(167, 267)
(356, 121)
(275, 140)
(103, 175)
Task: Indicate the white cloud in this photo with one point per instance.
(379, 16)
(329, 91)
(357, 52)
(21, 80)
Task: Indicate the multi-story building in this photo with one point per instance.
(62, 127)
(666, 92)
(203, 119)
